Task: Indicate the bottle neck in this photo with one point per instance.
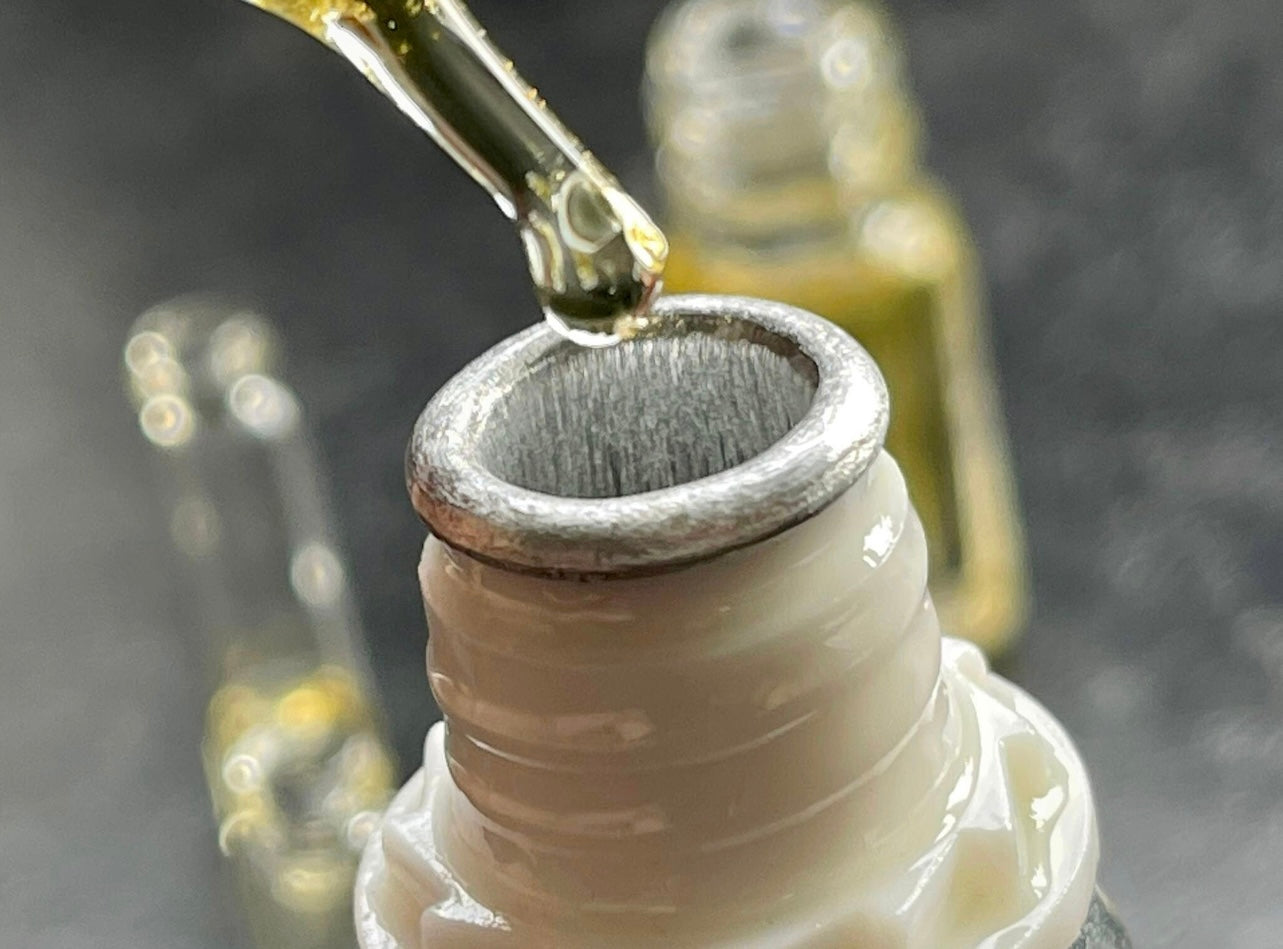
(773, 128)
(698, 737)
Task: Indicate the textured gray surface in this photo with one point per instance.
(644, 415)
(1102, 930)
(1121, 160)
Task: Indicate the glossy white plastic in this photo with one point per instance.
(771, 749)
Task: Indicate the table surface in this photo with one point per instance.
(1121, 162)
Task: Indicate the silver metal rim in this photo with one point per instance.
(467, 506)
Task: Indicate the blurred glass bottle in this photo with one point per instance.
(788, 152)
(294, 754)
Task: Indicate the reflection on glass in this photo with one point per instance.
(297, 766)
(787, 147)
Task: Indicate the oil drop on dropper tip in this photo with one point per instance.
(596, 258)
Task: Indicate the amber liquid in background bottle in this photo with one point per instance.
(298, 779)
(296, 763)
(787, 151)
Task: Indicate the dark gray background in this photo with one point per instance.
(1120, 160)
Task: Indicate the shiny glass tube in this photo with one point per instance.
(596, 259)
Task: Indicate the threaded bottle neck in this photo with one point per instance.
(774, 117)
(699, 738)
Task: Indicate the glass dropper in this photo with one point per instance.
(595, 256)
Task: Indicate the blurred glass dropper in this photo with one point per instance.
(296, 761)
(595, 256)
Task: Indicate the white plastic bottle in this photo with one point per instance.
(695, 691)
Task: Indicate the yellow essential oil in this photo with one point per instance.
(299, 779)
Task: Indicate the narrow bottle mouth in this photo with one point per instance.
(726, 421)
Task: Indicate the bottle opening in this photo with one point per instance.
(649, 413)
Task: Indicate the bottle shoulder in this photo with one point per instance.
(876, 258)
